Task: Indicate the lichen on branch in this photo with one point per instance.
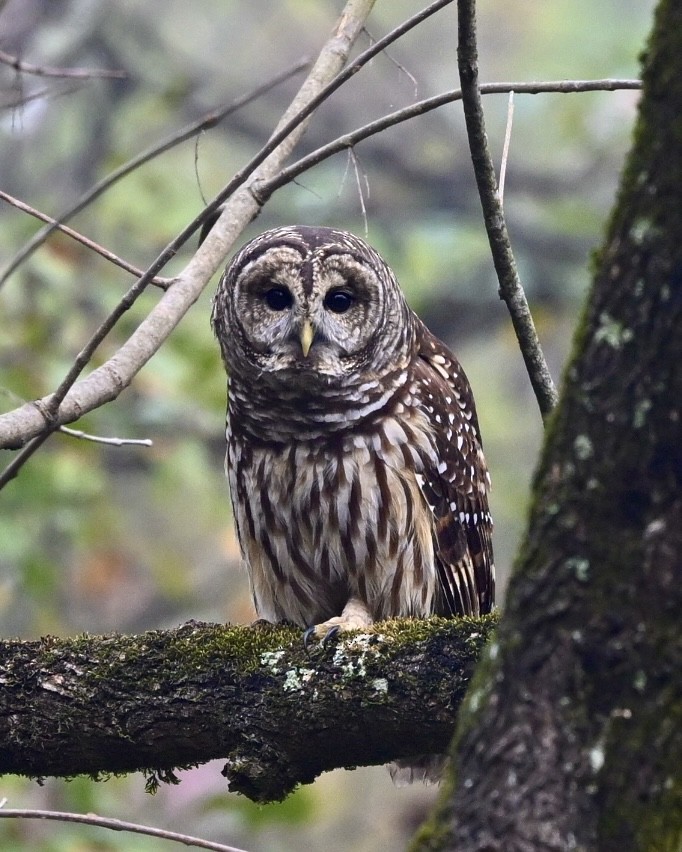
(162, 700)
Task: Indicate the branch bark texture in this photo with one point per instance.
(279, 717)
(571, 735)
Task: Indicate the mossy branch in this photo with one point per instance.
(167, 699)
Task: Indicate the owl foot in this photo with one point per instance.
(355, 616)
(311, 635)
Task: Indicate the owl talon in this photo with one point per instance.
(320, 632)
(308, 634)
(355, 616)
(332, 633)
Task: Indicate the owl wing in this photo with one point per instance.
(457, 488)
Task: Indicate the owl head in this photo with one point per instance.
(307, 305)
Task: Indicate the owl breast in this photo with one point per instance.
(323, 521)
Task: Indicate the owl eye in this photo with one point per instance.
(278, 298)
(338, 301)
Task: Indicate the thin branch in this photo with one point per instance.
(110, 442)
(505, 147)
(77, 433)
(358, 183)
(115, 825)
(48, 71)
(13, 468)
(398, 65)
(294, 119)
(20, 98)
(106, 382)
(163, 283)
(352, 159)
(348, 140)
(510, 289)
(197, 176)
(210, 120)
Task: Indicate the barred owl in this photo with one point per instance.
(354, 457)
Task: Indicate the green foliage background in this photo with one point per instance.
(101, 539)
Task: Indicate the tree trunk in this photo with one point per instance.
(570, 735)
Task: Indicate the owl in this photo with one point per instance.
(358, 482)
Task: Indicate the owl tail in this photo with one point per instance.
(427, 768)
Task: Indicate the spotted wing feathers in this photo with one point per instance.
(457, 489)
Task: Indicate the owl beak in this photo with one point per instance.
(307, 334)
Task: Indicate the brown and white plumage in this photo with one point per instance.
(354, 456)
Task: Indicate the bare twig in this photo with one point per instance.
(398, 65)
(511, 289)
(114, 825)
(13, 468)
(348, 140)
(73, 433)
(345, 75)
(111, 442)
(195, 128)
(20, 98)
(163, 283)
(107, 381)
(505, 147)
(352, 160)
(48, 71)
(358, 183)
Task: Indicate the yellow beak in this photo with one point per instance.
(307, 334)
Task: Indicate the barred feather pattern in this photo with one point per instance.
(357, 477)
(356, 470)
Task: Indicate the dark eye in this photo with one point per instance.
(338, 301)
(278, 298)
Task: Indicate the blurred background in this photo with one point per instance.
(100, 539)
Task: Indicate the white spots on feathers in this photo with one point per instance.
(437, 366)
